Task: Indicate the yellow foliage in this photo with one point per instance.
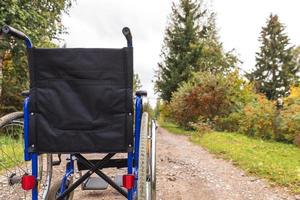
(294, 96)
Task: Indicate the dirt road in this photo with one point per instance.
(188, 172)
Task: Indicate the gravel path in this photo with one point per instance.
(187, 171)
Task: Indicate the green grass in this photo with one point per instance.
(274, 161)
(11, 152)
(174, 128)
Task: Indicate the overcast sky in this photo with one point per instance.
(98, 23)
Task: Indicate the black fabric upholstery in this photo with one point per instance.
(80, 100)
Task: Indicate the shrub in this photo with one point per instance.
(297, 140)
(207, 96)
(164, 112)
(181, 112)
(201, 128)
(257, 118)
(229, 122)
(290, 116)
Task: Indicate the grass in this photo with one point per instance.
(11, 152)
(274, 161)
(174, 128)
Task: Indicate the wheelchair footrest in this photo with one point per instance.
(95, 183)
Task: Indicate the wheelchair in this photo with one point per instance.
(81, 108)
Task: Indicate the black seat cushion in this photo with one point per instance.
(80, 100)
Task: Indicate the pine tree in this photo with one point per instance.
(191, 45)
(212, 58)
(136, 83)
(179, 55)
(296, 59)
(275, 69)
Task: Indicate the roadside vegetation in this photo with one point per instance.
(274, 161)
(251, 118)
(11, 153)
(41, 21)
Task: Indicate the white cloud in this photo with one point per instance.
(240, 23)
(94, 23)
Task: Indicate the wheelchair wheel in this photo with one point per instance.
(153, 160)
(55, 190)
(12, 164)
(144, 177)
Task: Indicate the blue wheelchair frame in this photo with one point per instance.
(132, 157)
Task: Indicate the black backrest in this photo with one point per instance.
(81, 100)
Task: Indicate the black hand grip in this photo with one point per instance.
(14, 32)
(126, 32)
(57, 162)
(141, 93)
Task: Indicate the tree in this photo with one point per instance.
(147, 108)
(157, 108)
(179, 52)
(41, 21)
(191, 45)
(296, 59)
(275, 69)
(212, 58)
(136, 82)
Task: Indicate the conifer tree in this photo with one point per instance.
(275, 69)
(191, 45)
(179, 55)
(296, 59)
(212, 57)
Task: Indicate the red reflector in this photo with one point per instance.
(128, 181)
(28, 182)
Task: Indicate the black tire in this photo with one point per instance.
(16, 117)
(13, 166)
(55, 190)
(142, 190)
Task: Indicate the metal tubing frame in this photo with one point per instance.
(93, 169)
(153, 160)
(138, 118)
(69, 172)
(102, 175)
(29, 156)
(130, 171)
(133, 156)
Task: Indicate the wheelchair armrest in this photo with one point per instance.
(25, 93)
(141, 93)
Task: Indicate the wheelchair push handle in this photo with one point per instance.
(14, 32)
(126, 32)
(8, 30)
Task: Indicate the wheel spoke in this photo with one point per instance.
(14, 162)
(11, 160)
